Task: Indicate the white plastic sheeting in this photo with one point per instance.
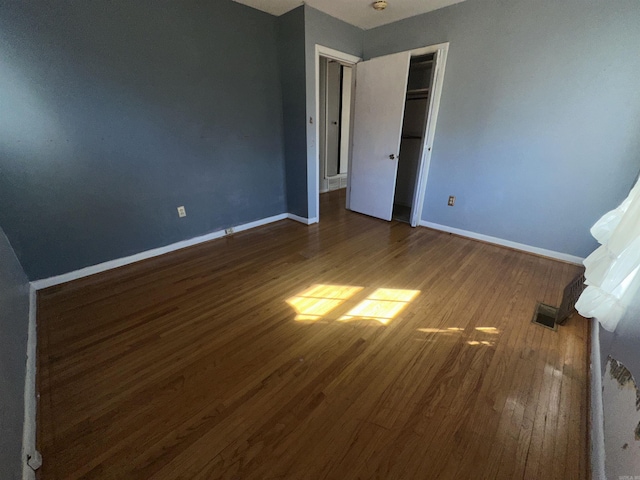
(612, 278)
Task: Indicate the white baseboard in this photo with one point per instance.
(505, 243)
(596, 435)
(102, 267)
(306, 221)
(30, 401)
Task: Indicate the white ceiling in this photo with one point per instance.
(356, 12)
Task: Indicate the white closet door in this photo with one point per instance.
(381, 86)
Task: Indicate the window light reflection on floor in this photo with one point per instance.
(383, 305)
(457, 330)
(488, 330)
(318, 300)
(441, 330)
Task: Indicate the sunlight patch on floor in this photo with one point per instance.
(319, 300)
(457, 330)
(382, 305)
(489, 330)
(449, 330)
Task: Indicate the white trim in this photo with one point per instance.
(336, 55)
(597, 408)
(102, 267)
(441, 51)
(30, 402)
(505, 243)
(259, 223)
(313, 184)
(306, 221)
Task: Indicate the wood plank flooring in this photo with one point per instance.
(352, 349)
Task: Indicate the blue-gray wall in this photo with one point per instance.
(112, 114)
(539, 127)
(291, 55)
(14, 321)
(322, 29)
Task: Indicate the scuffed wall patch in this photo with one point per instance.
(621, 405)
(623, 376)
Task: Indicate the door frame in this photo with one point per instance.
(347, 59)
(441, 51)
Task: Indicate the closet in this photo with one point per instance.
(412, 140)
(396, 103)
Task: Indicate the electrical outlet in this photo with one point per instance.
(182, 212)
(228, 231)
(452, 201)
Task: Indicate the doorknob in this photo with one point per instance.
(392, 157)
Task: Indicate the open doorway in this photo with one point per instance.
(335, 123)
(331, 174)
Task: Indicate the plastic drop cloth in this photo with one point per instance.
(612, 278)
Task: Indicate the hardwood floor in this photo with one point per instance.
(355, 348)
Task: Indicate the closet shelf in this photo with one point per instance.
(417, 90)
(422, 64)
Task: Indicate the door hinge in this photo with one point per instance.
(34, 461)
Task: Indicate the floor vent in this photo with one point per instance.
(334, 183)
(545, 316)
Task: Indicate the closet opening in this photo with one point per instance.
(414, 130)
(334, 121)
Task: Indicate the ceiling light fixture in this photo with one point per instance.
(379, 5)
